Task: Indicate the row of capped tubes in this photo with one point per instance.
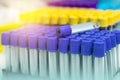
(71, 16)
(75, 40)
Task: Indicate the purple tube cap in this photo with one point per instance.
(32, 41)
(64, 31)
(5, 38)
(52, 44)
(42, 43)
(14, 39)
(23, 41)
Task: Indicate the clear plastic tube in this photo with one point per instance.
(24, 60)
(64, 66)
(43, 63)
(53, 65)
(8, 58)
(87, 68)
(75, 67)
(99, 68)
(118, 56)
(33, 53)
(15, 67)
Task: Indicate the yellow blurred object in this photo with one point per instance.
(8, 27)
(67, 15)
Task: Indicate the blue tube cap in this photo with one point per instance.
(108, 42)
(71, 37)
(118, 38)
(99, 49)
(42, 43)
(52, 44)
(64, 31)
(117, 32)
(113, 40)
(63, 45)
(105, 31)
(86, 47)
(85, 36)
(75, 46)
(90, 33)
(95, 30)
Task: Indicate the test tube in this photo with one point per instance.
(99, 51)
(68, 30)
(63, 47)
(118, 49)
(113, 53)
(53, 58)
(14, 50)
(24, 54)
(33, 55)
(86, 51)
(75, 59)
(43, 56)
(6, 43)
(117, 33)
(108, 60)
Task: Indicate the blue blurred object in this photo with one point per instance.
(99, 4)
(109, 4)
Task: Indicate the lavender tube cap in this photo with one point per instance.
(52, 44)
(64, 31)
(23, 41)
(32, 42)
(5, 38)
(42, 43)
(14, 39)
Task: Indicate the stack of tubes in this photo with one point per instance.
(107, 19)
(39, 50)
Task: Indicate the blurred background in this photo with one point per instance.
(12, 8)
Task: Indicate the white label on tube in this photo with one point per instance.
(118, 52)
(33, 53)
(87, 67)
(15, 59)
(43, 63)
(24, 63)
(64, 66)
(114, 63)
(8, 58)
(110, 63)
(106, 68)
(99, 69)
(53, 65)
(75, 66)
